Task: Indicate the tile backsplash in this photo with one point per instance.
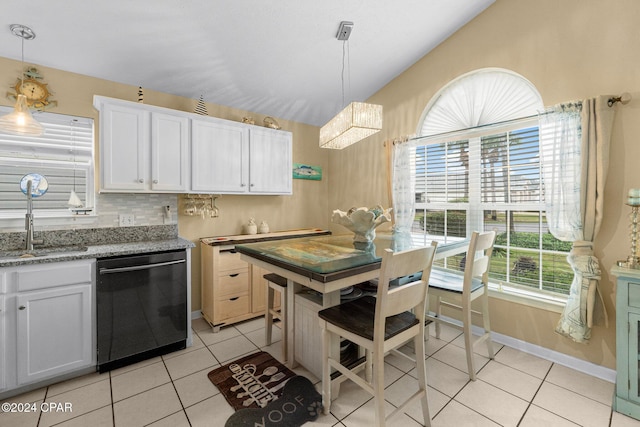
(148, 209)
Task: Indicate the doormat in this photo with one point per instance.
(251, 381)
(299, 403)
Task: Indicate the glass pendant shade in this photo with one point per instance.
(20, 121)
(354, 123)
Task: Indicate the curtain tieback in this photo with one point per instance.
(582, 247)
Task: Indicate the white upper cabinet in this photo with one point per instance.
(141, 150)
(229, 157)
(270, 161)
(124, 148)
(169, 153)
(152, 149)
(219, 154)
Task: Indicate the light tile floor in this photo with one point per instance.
(515, 389)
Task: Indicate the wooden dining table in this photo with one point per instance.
(327, 264)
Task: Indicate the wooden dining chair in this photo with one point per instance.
(381, 324)
(458, 291)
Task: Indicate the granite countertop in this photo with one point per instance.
(91, 243)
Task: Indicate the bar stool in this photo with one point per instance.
(381, 324)
(276, 283)
(457, 292)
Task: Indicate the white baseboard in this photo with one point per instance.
(581, 365)
(196, 314)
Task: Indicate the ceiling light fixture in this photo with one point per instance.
(20, 121)
(358, 120)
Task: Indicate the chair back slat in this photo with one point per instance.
(480, 266)
(485, 240)
(405, 297)
(408, 296)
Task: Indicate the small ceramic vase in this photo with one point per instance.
(251, 227)
(264, 228)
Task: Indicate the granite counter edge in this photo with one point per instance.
(103, 251)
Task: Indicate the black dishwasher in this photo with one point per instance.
(142, 307)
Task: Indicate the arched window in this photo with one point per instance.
(476, 166)
(479, 98)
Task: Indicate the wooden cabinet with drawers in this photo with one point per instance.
(233, 290)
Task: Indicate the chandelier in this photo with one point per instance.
(358, 120)
(20, 121)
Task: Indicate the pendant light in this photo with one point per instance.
(20, 121)
(358, 120)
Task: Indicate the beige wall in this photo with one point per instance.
(307, 207)
(572, 49)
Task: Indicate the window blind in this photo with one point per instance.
(441, 172)
(63, 154)
(511, 167)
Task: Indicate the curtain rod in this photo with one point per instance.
(624, 99)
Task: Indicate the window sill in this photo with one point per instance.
(554, 303)
(17, 224)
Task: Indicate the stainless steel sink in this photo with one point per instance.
(23, 253)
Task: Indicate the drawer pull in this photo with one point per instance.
(234, 275)
(233, 299)
(22, 307)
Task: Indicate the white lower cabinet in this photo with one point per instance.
(47, 325)
(3, 347)
(54, 331)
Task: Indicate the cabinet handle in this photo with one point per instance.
(233, 299)
(141, 181)
(243, 185)
(155, 181)
(251, 185)
(234, 274)
(22, 307)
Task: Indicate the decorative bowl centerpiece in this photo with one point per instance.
(362, 221)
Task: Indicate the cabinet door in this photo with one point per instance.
(634, 357)
(169, 152)
(259, 290)
(270, 164)
(124, 147)
(54, 331)
(3, 344)
(219, 157)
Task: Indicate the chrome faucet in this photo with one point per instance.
(28, 223)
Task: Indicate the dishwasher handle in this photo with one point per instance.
(139, 267)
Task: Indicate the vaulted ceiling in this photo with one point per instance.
(273, 57)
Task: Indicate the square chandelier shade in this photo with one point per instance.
(354, 123)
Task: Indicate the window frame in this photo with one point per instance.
(474, 218)
(14, 218)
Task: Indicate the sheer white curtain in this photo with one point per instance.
(403, 187)
(574, 145)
